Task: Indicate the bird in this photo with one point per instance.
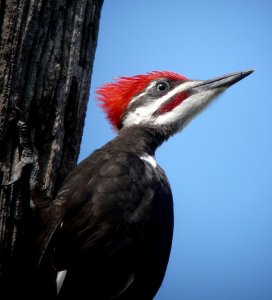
(115, 227)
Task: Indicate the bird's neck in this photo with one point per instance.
(140, 139)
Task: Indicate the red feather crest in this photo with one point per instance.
(114, 97)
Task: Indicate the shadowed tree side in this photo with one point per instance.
(47, 50)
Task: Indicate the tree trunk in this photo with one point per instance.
(47, 50)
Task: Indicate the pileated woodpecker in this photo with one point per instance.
(116, 211)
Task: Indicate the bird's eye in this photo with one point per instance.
(162, 87)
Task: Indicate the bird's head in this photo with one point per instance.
(160, 98)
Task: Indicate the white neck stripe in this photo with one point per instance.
(150, 159)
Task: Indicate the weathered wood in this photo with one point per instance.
(46, 55)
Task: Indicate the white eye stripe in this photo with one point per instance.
(178, 89)
(149, 87)
(134, 99)
(143, 114)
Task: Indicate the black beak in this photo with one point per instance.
(222, 81)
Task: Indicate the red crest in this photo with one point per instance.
(114, 97)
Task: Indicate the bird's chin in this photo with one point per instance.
(200, 102)
(181, 116)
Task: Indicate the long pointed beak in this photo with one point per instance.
(224, 81)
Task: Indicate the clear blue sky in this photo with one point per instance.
(220, 166)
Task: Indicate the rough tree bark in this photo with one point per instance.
(46, 55)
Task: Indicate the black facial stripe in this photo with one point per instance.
(150, 94)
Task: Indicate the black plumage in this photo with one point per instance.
(116, 231)
(115, 209)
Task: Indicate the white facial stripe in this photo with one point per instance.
(143, 114)
(150, 86)
(137, 97)
(190, 107)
